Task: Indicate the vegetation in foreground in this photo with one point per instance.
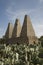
(21, 54)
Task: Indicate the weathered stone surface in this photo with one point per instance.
(9, 31)
(24, 35)
(17, 40)
(27, 28)
(17, 29)
(28, 31)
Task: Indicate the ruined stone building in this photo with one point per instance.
(18, 34)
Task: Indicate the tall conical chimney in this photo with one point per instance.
(27, 28)
(17, 29)
(9, 31)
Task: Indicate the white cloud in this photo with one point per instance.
(41, 1)
(2, 31)
(36, 15)
(38, 29)
(18, 13)
(12, 15)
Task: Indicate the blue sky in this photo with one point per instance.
(12, 9)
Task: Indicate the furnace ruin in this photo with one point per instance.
(18, 34)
